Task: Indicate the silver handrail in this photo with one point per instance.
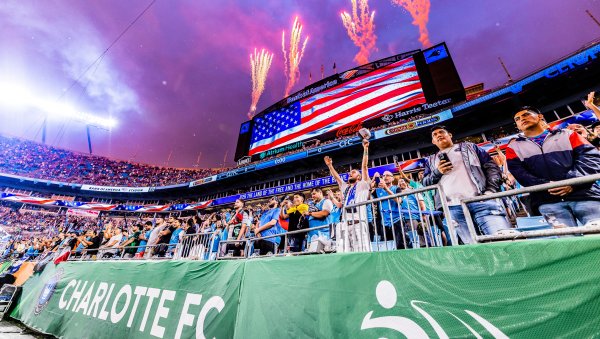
(527, 190)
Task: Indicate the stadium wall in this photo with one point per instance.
(513, 289)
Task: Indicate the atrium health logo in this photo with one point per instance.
(387, 298)
(47, 292)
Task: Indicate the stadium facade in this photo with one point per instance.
(556, 89)
(507, 289)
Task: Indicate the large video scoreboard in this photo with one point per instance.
(371, 95)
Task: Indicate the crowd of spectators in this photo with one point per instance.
(462, 168)
(31, 159)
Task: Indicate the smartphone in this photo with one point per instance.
(377, 180)
(443, 157)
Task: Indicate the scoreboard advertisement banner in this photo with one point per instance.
(387, 91)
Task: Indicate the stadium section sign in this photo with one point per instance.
(416, 124)
(544, 288)
(116, 189)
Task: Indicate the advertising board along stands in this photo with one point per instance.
(455, 291)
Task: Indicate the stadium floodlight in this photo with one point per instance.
(66, 111)
(14, 96)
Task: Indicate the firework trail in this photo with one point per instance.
(361, 30)
(293, 56)
(260, 64)
(419, 10)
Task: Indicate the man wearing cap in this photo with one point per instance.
(389, 209)
(465, 170)
(268, 225)
(353, 235)
(542, 155)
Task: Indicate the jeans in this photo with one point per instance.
(568, 212)
(489, 217)
(265, 247)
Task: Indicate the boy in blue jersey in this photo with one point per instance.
(144, 239)
(175, 235)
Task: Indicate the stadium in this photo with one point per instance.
(384, 200)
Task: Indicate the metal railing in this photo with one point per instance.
(195, 246)
(247, 248)
(396, 224)
(513, 234)
(122, 253)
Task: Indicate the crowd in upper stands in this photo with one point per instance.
(34, 160)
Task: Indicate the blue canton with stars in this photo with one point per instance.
(276, 122)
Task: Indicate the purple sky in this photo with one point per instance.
(179, 79)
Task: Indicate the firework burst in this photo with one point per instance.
(293, 55)
(419, 10)
(259, 64)
(360, 29)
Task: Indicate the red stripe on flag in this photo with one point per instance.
(353, 90)
(419, 97)
(339, 103)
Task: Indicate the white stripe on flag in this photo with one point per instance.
(340, 122)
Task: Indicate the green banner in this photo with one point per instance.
(544, 288)
(4, 266)
(163, 299)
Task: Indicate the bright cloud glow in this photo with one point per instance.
(14, 96)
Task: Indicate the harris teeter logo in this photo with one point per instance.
(47, 292)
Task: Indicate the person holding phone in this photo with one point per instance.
(465, 170)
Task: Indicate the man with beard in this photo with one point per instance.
(238, 226)
(268, 225)
(319, 215)
(353, 235)
(154, 236)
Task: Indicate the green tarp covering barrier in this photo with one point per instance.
(544, 288)
(4, 266)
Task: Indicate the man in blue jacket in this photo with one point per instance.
(465, 170)
(541, 155)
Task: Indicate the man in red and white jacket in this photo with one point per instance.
(542, 155)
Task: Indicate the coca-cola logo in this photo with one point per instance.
(348, 130)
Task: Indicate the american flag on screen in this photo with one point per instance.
(385, 90)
